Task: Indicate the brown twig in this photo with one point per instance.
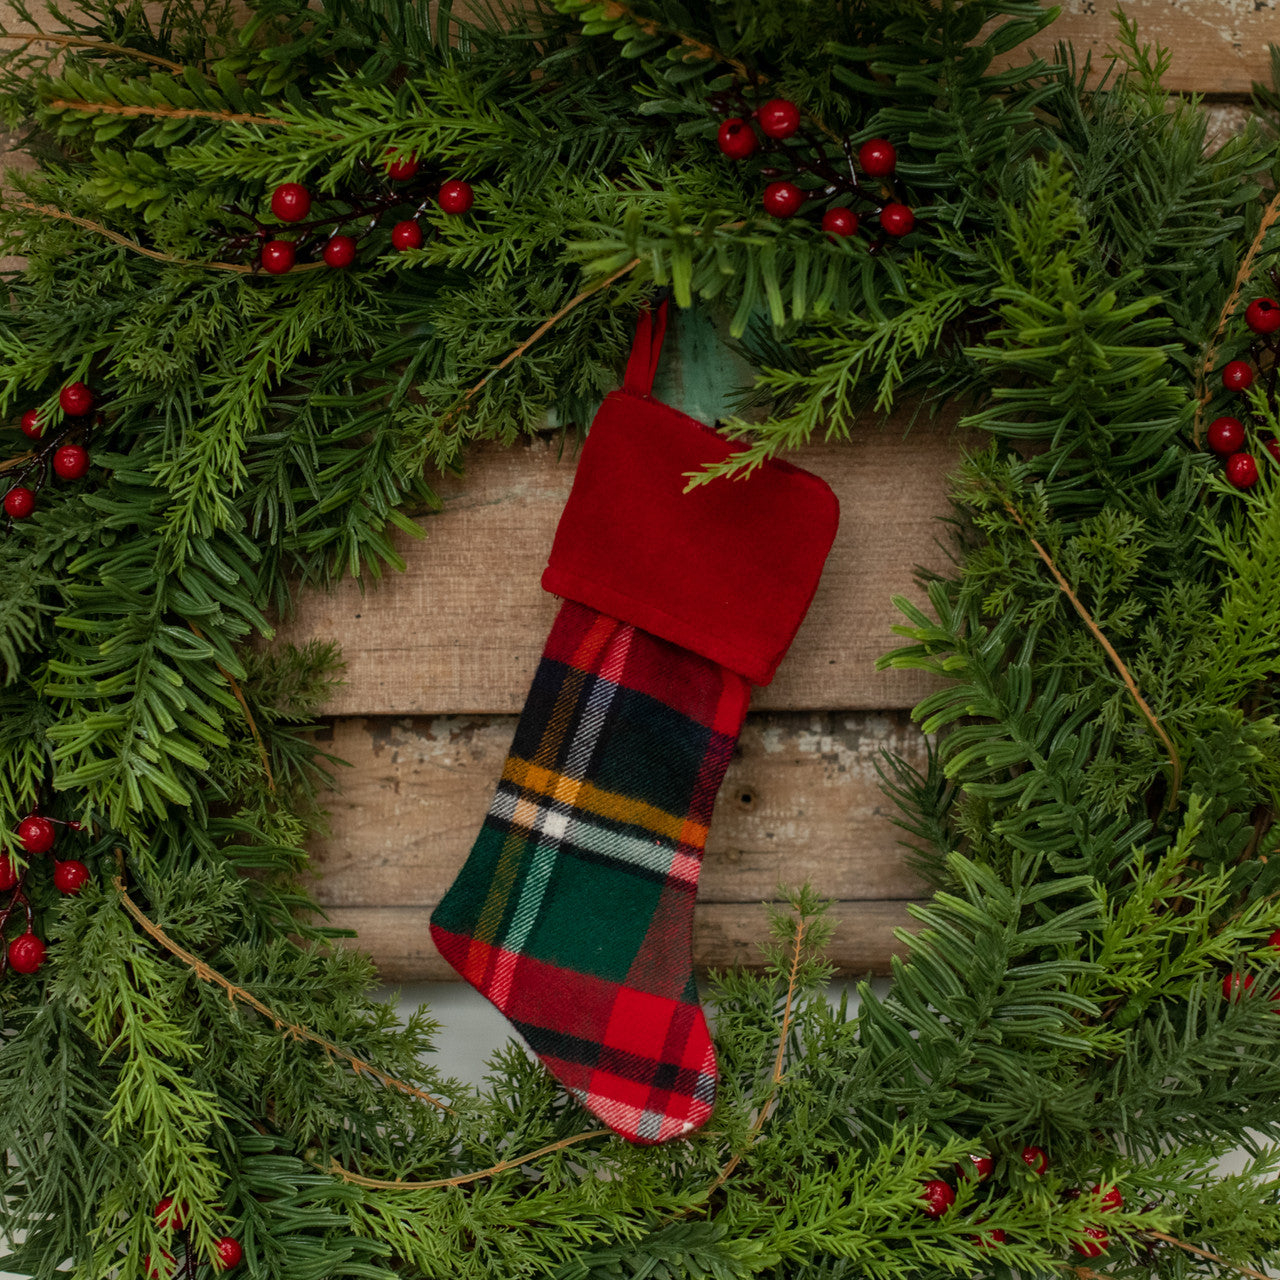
(244, 706)
(1204, 1253)
(763, 1114)
(206, 973)
(549, 323)
(380, 1185)
(1130, 683)
(80, 42)
(48, 211)
(10, 463)
(170, 113)
(1270, 214)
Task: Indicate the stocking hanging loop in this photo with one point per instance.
(646, 349)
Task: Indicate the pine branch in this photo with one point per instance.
(102, 46)
(206, 973)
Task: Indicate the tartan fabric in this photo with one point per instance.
(574, 911)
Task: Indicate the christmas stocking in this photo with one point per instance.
(573, 913)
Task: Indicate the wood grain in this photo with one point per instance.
(724, 935)
(801, 801)
(461, 630)
(1217, 46)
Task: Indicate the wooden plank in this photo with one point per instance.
(801, 801)
(1217, 46)
(724, 934)
(461, 630)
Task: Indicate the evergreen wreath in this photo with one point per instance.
(282, 265)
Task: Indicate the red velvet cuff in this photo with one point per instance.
(727, 570)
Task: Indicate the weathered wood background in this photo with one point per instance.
(440, 657)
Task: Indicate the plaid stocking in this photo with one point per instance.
(574, 911)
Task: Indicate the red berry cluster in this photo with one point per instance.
(937, 1197)
(37, 835)
(1226, 435)
(291, 204)
(802, 151)
(69, 459)
(228, 1248)
(1236, 985)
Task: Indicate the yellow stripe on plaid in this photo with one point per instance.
(603, 804)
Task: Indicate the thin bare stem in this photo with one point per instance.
(169, 113)
(244, 706)
(48, 211)
(380, 1185)
(81, 42)
(1269, 216)
(10, 464)
(546, 325)
(763, 1114)
(206, 973)
(1204, 1253)
(1130, 683)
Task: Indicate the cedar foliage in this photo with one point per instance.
(1074, 250)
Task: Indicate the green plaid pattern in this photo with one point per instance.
(574, 911)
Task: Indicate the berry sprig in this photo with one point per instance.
(1226, 435)
(938, 1196)
(229, 1251)
(802, 150)
(37, 835)
(292, 203)
(63, 450)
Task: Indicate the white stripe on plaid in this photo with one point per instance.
(582, 748)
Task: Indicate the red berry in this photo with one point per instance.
(937, 1197)
(31, 425)
(1035, 1159)
(278, 256)
(839, 221)
(1262, 315)
(229, 1253)
(877, 158)
(456, 196)
(1237, 376)
(70, 876)
(290, 202)
(1274, 940)
(1111, 1197)
(897, 219)
(71, 462)
(1235, 985)
(406, 235)
(19, 502)
(779, 118)
(36, 834)
(169, 1219)
(340, 251)
(983, 1167)
(1095, 1245)
(8, 876)
(782, 199)
(150, 1272)
(76, 399)
(1226, 435)
(402, 169)
(1242, 470)
(737, 139)
(26, 953)
(989, 1239)
(1273, 448)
